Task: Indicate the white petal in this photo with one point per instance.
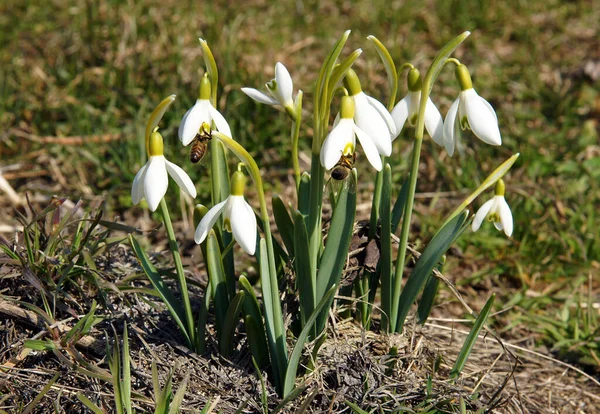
(192, 120)
(258, 96)
(208, 221)
(482, 214)
(434, 123)
(243, 224)
(385, 114)
(482, 118)
(181, 178)
(368, 119)
(220, 122)
(137, 189)
(369, 148)
(400, 114)
(505, 216)
(334, 144)
(285, 86)
(156, 181)
(450, 128)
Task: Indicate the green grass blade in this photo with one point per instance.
(385, 260)
(43, 392)
(230, 322)
(471, 338)
(178, 398)
(172, 303)
(89, 404)
(290, 375)
(355, 408)
(126, 372)
(305, 275)
(295, 393)
(284, 224)
(430, 257)
(427, 298)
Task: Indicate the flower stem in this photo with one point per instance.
(295, 138)
(179, 268)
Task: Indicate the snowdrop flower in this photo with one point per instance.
(497, 211)
(342, 139)
(201, 112)
(371, 116)
(280, 90)
(407, 110)
(239, 217)
(151, 181)
(470, 111)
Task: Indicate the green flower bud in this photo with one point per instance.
(347, 111)
(205, 88)
(463, 77)
(352, 83)
(238, 183)
(155, 144)
(414, 80)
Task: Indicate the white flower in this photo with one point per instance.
(497, 211)
(201, 112)
(372, 118)
(408, 110)
(239, 219)
(470, 111)
(151, 181)
(280, 89)
(342, 140)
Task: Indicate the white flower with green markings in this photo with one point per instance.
(280, 90)
(152, 180)
(239, 218)
(342, 139)
(470, 111)
(202, 112)
(497, 211)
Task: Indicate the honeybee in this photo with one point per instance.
(340, 173)
(200, 143)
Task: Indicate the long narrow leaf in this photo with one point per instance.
(256, 341)
(230, 322)
(467, 347)
(398, 210)
(304, 194)
(157, 115)
(284, 224)
(172, 303)
(218, 283)
(390, 69)
(292, 368)
(385, 260)
(304, 274)
(428, 297)
(430, 257)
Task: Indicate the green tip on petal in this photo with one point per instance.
(464, 77)
(155, 144)
(413, 80)
(238, 183)
(352, 83)
(347, 111)
(500, 187)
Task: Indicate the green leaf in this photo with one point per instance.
(178, 398)
(304, 194)
(430, 257)
(157, 115)
(173, 304)
(257, 341)
(40, 345)
(340, 71)
(211, 68)
(126, 372)
(427, 298)
(284, 224)
(230, 322)
(467, 347)
(33, 404)
(216, 276)
(305, 276)
(355, 408)
(390, 69)
(292, 368)
(201, 321)
(385, 260)
(398, 210)
(89, 404)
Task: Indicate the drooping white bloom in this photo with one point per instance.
(201, 112)
(280, 89)
(151, 181)
(342, 139)
(407, 110)
(497, 211)
(238, 216)
(470, 111)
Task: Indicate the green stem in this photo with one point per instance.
(179, 267)
(295, 139)
(254, 171)
(433, 72)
